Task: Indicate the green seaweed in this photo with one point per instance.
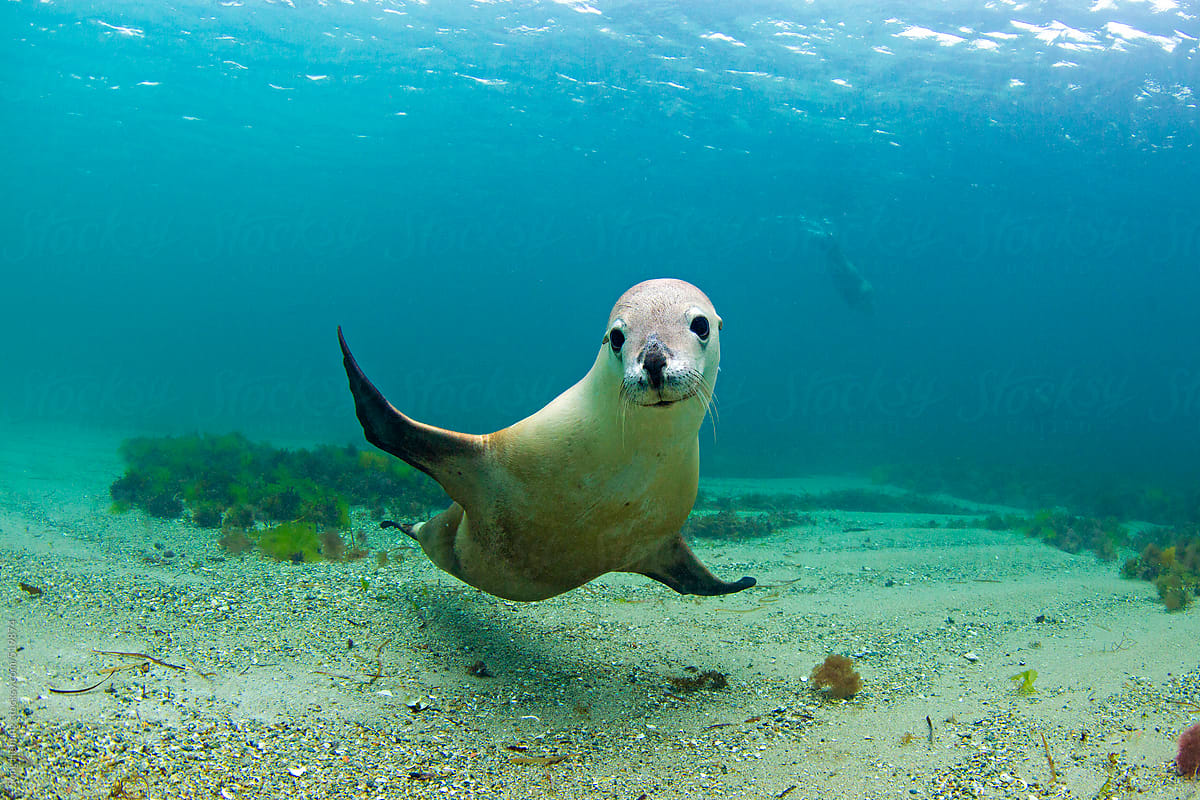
(1171, 561)
(871, 500)
(992, 522)
(728, 524)
(1172, 500)
(1174, 594)
(1074, 533)
(231, 483)
(207, 514)
(212, 475)
(782, 510)
(239, 516)
(291, 541)
(1024, 681)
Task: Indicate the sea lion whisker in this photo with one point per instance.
(713, 407)
(703, 385)
(628, 405)
(708, 394)
(703, 401)
(710, 406)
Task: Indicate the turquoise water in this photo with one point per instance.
(196, 195)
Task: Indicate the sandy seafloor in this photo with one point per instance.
(274, 701)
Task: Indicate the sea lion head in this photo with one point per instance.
(663, 339)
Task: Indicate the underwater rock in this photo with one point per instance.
(709, 680)
(479, 670)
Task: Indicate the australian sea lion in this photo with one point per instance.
(855, 290)
(600, 480)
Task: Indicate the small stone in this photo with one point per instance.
(971, 656)
(297, 771)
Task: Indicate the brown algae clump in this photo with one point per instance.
(836, 674)
(1174, 570)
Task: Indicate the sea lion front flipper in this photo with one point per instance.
(677, 566)
(450, 458)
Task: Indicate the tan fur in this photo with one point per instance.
(600, 479)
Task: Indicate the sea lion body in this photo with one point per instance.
(600, 480)
(616, 510)
(854, 288)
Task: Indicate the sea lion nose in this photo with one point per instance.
(654, 362)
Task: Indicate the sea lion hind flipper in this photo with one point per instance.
(404, 527)
(677, 566)
(448, 457)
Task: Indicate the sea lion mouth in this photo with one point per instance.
(672, 392)
(663, 402)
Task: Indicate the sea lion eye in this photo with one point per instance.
(616, 339)
(699, 327)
